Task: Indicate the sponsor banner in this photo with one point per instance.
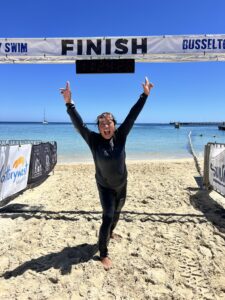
(217, 167)
(43, 160)
(141, 48)
(53, 147)
(14, 169)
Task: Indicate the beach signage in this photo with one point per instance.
(42, 162)
(208, 47)
(14, 169)
(217, 167)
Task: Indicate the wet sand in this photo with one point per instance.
(172, 245)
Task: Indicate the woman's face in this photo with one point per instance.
(106, 126)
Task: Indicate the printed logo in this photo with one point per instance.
(19, 161)
(15, 173)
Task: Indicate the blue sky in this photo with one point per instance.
(182, 92)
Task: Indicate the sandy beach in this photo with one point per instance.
(172, 245)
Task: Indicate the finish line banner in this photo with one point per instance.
(142, 49)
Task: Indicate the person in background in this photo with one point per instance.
(108, 150)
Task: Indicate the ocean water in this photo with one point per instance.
(145, 141)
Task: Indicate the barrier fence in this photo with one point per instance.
(19, 142)
(214, 167)
(24, 163)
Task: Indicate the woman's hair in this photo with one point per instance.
(106, 114)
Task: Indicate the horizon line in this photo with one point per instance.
(138, 123)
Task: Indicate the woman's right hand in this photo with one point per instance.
(66, 92)
(147, 86)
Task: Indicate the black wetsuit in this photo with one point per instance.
(111, 172)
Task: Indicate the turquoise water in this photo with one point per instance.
(145, 141)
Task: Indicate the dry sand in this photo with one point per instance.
(172, 246)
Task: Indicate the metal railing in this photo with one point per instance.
(21, 142)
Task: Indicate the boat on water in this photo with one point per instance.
(44, 122)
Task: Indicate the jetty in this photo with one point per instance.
(221, 125)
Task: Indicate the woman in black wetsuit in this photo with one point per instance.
(108, 150)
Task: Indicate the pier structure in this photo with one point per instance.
(221, 125)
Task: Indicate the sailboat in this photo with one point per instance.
(45, 122)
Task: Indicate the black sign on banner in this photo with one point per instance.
(105, 66)
(43, 160)
(53, 157)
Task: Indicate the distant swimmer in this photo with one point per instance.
(108, 150)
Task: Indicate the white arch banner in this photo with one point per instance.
(142, 48)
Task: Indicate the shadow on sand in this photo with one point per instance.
(63, 260)
(27, 212)
(213, 211)
(69, 256)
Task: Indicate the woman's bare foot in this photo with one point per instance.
(115, 236)
(107, 263)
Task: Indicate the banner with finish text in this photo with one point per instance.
(14, 169)
(209, 47)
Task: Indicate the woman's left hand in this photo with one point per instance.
(147, 86)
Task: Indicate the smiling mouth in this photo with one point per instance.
(106, 132)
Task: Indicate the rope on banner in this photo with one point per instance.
(197, 164)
